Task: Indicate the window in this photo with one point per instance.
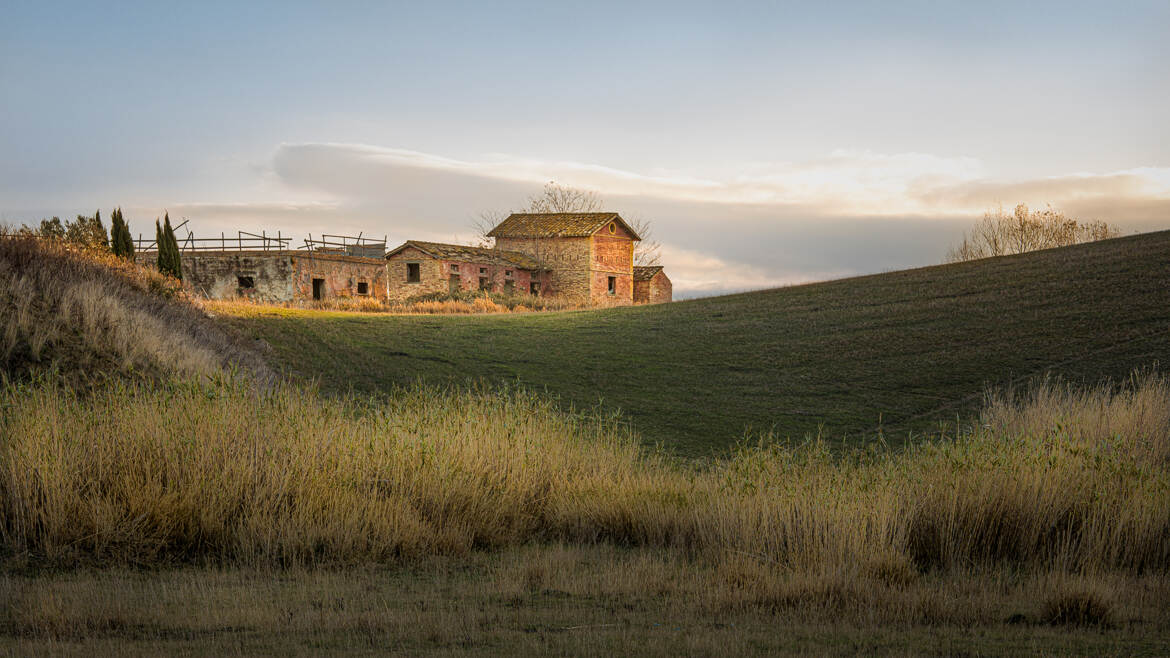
(454, 267)
(363, 288)
(412, 273)
(318, 289)
(507, 272)
(483, 270)
(246, 282)
(612, 227)
(534, 287)
(612, 285)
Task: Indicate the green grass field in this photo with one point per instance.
(903, 351)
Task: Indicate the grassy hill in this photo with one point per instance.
(902, 351)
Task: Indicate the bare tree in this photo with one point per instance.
(560, 198)
(999, 233)
(483, 224)
(555, 197)
(649, 250)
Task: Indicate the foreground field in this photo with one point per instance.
(427, 522)
(562, 600)
(903, 351)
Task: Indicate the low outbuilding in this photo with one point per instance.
(651, 285)
(417, 268)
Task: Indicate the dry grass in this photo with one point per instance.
(558, 599)
(88, 315)
(141, 474)
(459, 304)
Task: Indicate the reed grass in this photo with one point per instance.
(200, 471)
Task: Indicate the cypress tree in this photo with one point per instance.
(116, 234)
(102, 239)
(164, 263)
(126, 240)
(169, 261)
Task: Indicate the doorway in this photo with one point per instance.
(318, 289)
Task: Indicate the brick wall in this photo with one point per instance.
(658, 290)
(341, 275)
(612, 256)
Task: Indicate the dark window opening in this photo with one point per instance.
(412, 273)
(363, 288)
(246, 282)
(318, 289)
(454, 267)
(612, 285)
(507, 272)
(612, 227)
(483, 270)
(534, 287)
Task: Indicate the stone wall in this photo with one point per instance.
(275, 276)
(218, 274)
(431, 276)
(435, 276)
(568, 260)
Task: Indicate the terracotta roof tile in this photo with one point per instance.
(467, 254)
(646, 272)
(556, 225)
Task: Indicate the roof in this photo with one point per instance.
(556, 225)
(466, 254)
(646, 272)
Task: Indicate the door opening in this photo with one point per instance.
(318, 289)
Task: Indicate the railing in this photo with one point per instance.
(244, 241)
(347, 244)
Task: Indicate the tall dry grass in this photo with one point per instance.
(143, 474)
(464, 303)
(88, 314)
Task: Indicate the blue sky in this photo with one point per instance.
(768, 142)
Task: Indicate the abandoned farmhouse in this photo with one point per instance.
(586, 257)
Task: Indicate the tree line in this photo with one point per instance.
(1000, 233)
(89, 233)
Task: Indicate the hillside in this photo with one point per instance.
(91, 318)
(902, 350)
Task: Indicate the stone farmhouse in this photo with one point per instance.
(590, 256)
(586, 257)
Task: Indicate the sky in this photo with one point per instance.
(768, 143)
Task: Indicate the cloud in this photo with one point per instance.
(758, 225)
(764, 224)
